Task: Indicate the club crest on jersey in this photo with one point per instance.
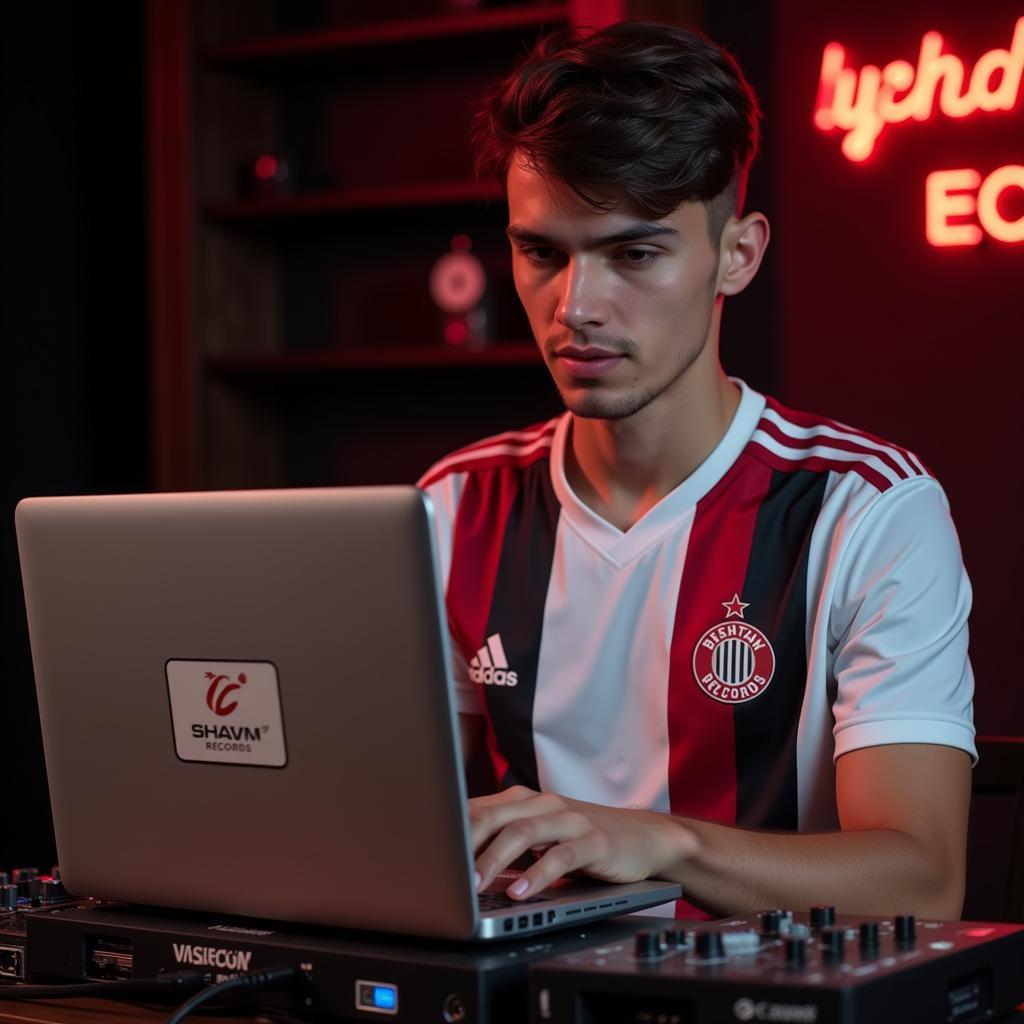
(733, 661)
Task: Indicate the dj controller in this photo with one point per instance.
(817, 968)
(776, 966)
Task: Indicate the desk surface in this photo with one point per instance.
(92, 1011)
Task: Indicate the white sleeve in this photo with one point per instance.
(444, 496)
(899, 627)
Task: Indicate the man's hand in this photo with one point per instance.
(607, 843)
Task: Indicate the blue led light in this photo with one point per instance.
(384, 998)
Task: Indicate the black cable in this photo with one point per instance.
(268, 977)
(173, 983)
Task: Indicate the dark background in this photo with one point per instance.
(73, 304)
(854, 314)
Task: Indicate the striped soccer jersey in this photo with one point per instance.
(800, 595)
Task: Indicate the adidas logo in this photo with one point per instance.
(490, 666)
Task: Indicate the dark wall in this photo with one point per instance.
(880, 329)
(72, 294)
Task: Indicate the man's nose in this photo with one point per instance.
(582, 303)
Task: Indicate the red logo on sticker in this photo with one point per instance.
(218, 692)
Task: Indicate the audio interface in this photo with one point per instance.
(348, 975)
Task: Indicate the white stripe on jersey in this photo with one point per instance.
(907, 461)
(533, 442)
(603, 671)
(823, 451)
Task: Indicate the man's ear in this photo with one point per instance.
(741, 251)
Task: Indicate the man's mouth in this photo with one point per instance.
(587, 360)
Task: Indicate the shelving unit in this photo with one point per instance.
(293, 340)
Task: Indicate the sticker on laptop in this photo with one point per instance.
(226, 712)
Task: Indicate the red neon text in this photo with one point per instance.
(964, 193)
(863, 102)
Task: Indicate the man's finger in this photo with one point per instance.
(487, 820)
(504, 796)
(524, 833)
(560, 860)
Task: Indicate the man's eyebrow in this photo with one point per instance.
(634, 233)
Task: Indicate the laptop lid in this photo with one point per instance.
(246, 708)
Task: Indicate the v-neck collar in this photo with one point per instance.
(620, 547)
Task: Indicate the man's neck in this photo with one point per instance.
(623, 468)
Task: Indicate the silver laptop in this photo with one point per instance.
(246, 709)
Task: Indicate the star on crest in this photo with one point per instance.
(735, 606)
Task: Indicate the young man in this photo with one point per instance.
(706, 638)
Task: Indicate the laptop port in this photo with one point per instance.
(12, 962)
(551, 916)
(538, 920)
(508, 924)
(524, 921)
(108, 959)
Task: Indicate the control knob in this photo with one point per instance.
(796, 951)
(869, 936)
(832, 942)
(51, 890)
(8, 897)
(28, 887)
(646, 945)
(906, 928)
(823, 916)
(710, 945)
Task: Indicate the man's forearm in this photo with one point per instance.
(874, 872)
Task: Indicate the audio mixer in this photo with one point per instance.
(814, 968)
(25, 892)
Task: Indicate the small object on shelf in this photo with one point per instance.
(458, 286)
(267, 176)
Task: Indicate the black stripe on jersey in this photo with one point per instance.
(776, 589)
(517, 615)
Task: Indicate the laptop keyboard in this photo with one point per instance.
(499, 901)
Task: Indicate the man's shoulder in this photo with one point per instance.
(790, 440)
(513, 449)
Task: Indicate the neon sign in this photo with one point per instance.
(963, 193)
(863, 102)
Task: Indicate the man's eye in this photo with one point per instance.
(638, 257)
(539, 253)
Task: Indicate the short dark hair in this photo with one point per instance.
(655, 114)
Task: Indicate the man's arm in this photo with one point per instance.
(902, 808)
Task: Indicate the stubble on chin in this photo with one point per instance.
(595, 405)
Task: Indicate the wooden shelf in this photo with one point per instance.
(351, 200)
(382, 357)
(248, 52)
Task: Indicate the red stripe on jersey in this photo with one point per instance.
(841, 444)
(819, 465)
(806, 419)
(479, 533)
(702, 739)
(520, 455)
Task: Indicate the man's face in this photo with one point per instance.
(620, 305)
